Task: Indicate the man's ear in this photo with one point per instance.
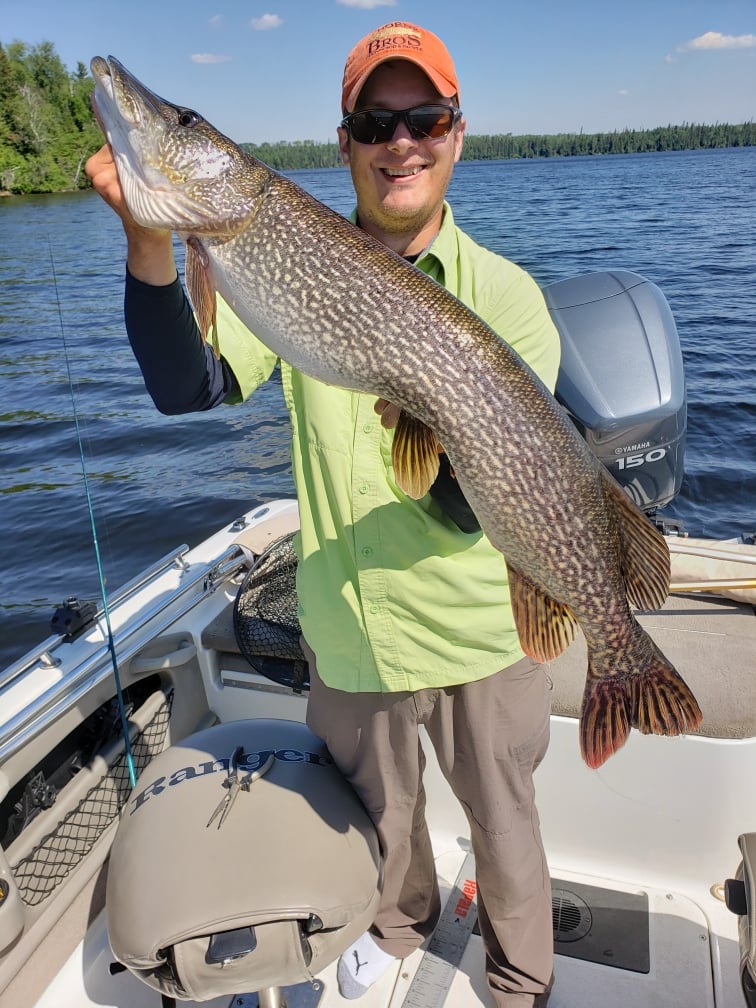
(459, 135)
(343, 135)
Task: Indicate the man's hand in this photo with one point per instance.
(388, 412)
(150, 251)
(102, 173)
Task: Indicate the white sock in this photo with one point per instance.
(360, 966)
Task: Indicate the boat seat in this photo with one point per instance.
(741, 899)
(705, 638)
(202, 907)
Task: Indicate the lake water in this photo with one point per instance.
(684, 220)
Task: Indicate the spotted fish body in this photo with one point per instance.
(339, 306)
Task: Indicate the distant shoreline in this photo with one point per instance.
(303, 155)
(291, 155)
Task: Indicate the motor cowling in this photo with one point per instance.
(622, 379)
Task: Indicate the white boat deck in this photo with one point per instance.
(682, 955)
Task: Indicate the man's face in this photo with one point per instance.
(401, 184)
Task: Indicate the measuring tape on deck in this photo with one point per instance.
(434, 975)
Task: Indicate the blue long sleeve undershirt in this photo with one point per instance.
(182, 374)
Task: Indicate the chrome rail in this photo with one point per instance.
(97, 667)
(44, 653)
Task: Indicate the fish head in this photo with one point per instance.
(176, 170)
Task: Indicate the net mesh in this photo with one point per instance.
(39, 872)
(266, 624)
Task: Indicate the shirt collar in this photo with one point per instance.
(442, 251)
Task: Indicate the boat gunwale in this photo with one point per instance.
(94, 669)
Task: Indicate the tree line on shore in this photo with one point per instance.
(291, 155)
(48, 130)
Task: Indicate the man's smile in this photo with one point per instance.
(402, 172)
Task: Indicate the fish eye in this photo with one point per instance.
(187, 117)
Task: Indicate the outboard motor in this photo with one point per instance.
(622, 379)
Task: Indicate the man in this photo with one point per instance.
(404, 604)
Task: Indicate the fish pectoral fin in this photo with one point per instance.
(545, 627)
(644, 552)
(202, 293)
(414, 455)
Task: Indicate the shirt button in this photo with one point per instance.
(375, 609)
(367, 551)
(367, 428)
(364, 488)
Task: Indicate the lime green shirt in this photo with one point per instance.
(392, 594)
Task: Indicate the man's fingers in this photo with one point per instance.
(388, 412)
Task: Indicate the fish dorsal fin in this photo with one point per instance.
(414, 455)
(202, 292)
(644, 552)
(545, 627)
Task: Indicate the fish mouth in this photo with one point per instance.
(132, 120)
(117, 95)
(123, 107)
(103, 83)
(171, 163)
(103, 89)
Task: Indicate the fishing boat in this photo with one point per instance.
(169, 828)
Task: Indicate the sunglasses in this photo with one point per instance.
(424, 122)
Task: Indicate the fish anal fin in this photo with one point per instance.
(653, 698)
(545, 627)
(414, 456)
(644, 552)
(202, 293)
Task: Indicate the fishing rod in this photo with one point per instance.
(733, 562)
(95, 539)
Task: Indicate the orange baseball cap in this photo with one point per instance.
(398, 40)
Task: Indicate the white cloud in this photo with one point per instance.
(216, 21)
(208, 57)
(623, 92)
(716, 40)
(266, 22)
(367, 4)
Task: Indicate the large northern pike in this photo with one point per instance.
(342, 308)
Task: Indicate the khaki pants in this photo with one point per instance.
(489, 736)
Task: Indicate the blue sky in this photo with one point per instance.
(271, 69)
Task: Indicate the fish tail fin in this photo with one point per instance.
(654, 698)
(663, 703)
(604, 718)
